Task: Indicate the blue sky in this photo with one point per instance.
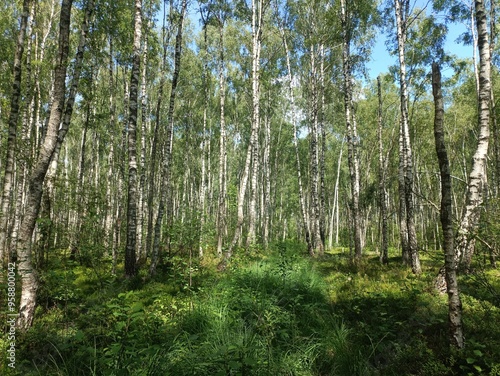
(381, 60)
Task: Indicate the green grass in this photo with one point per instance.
(269, 313)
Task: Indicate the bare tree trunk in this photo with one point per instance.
(454, 304)
(80, 210)
(465, 239)
(204, 139)
(8, 181)
(335, 206)
(241, 200)
(401, 8)
(493, 111)
(403, 229)
(322, 131)
(352, 135)
(267, 182)
(167, 155)
(156, 133)
(131, 245)
(317, 241)
(221, 215)
(35, 181)
(256, 47)
(384, 258)
(108, 242)
(141, 246)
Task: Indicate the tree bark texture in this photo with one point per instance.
(384, 258)
(256, 48)
(315, 211)
(131, 245)
(454, 304)
(465, 238)
(29, 283)
(8, 181)
(352, 134)
(401, 8)
(221, 213)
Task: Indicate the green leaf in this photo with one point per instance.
(478, 353)
(79, 335)
(470, 360)
(137, 307)
(478, 368)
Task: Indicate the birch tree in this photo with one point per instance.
(8, 180)
(257, 18)
(29, 282)
(130, 248)
(465, 238)
(382, 180)
(407, 225)
(352, 133)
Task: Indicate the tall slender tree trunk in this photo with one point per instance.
(156, 133)
(112, 122)
(241, 201)
(166, 183)
(402, 8)
(335, 206)
(493, 111)
(8, 180)
(267, 182)
(465, 239)
(203, 181)
(29, 283)
(80, 210)
(49, 181)
(221, 214)
(352, 134)
(322, 132)
(256, 48)
(384, 258)
(315, 211)
(454, 304)
(131, 245)
(141, 245)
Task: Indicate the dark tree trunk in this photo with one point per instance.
(454, 304)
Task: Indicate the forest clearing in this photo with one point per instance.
(216, 187)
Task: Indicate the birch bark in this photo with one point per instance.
(465, 239)
(8, 181)
(29, 283)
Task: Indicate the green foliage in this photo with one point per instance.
(273, 312)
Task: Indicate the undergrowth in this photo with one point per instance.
(269, 313)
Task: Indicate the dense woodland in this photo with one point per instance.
(209, 187)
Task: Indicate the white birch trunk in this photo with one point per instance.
(465, 239)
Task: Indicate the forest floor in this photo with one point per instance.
(269, 313)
